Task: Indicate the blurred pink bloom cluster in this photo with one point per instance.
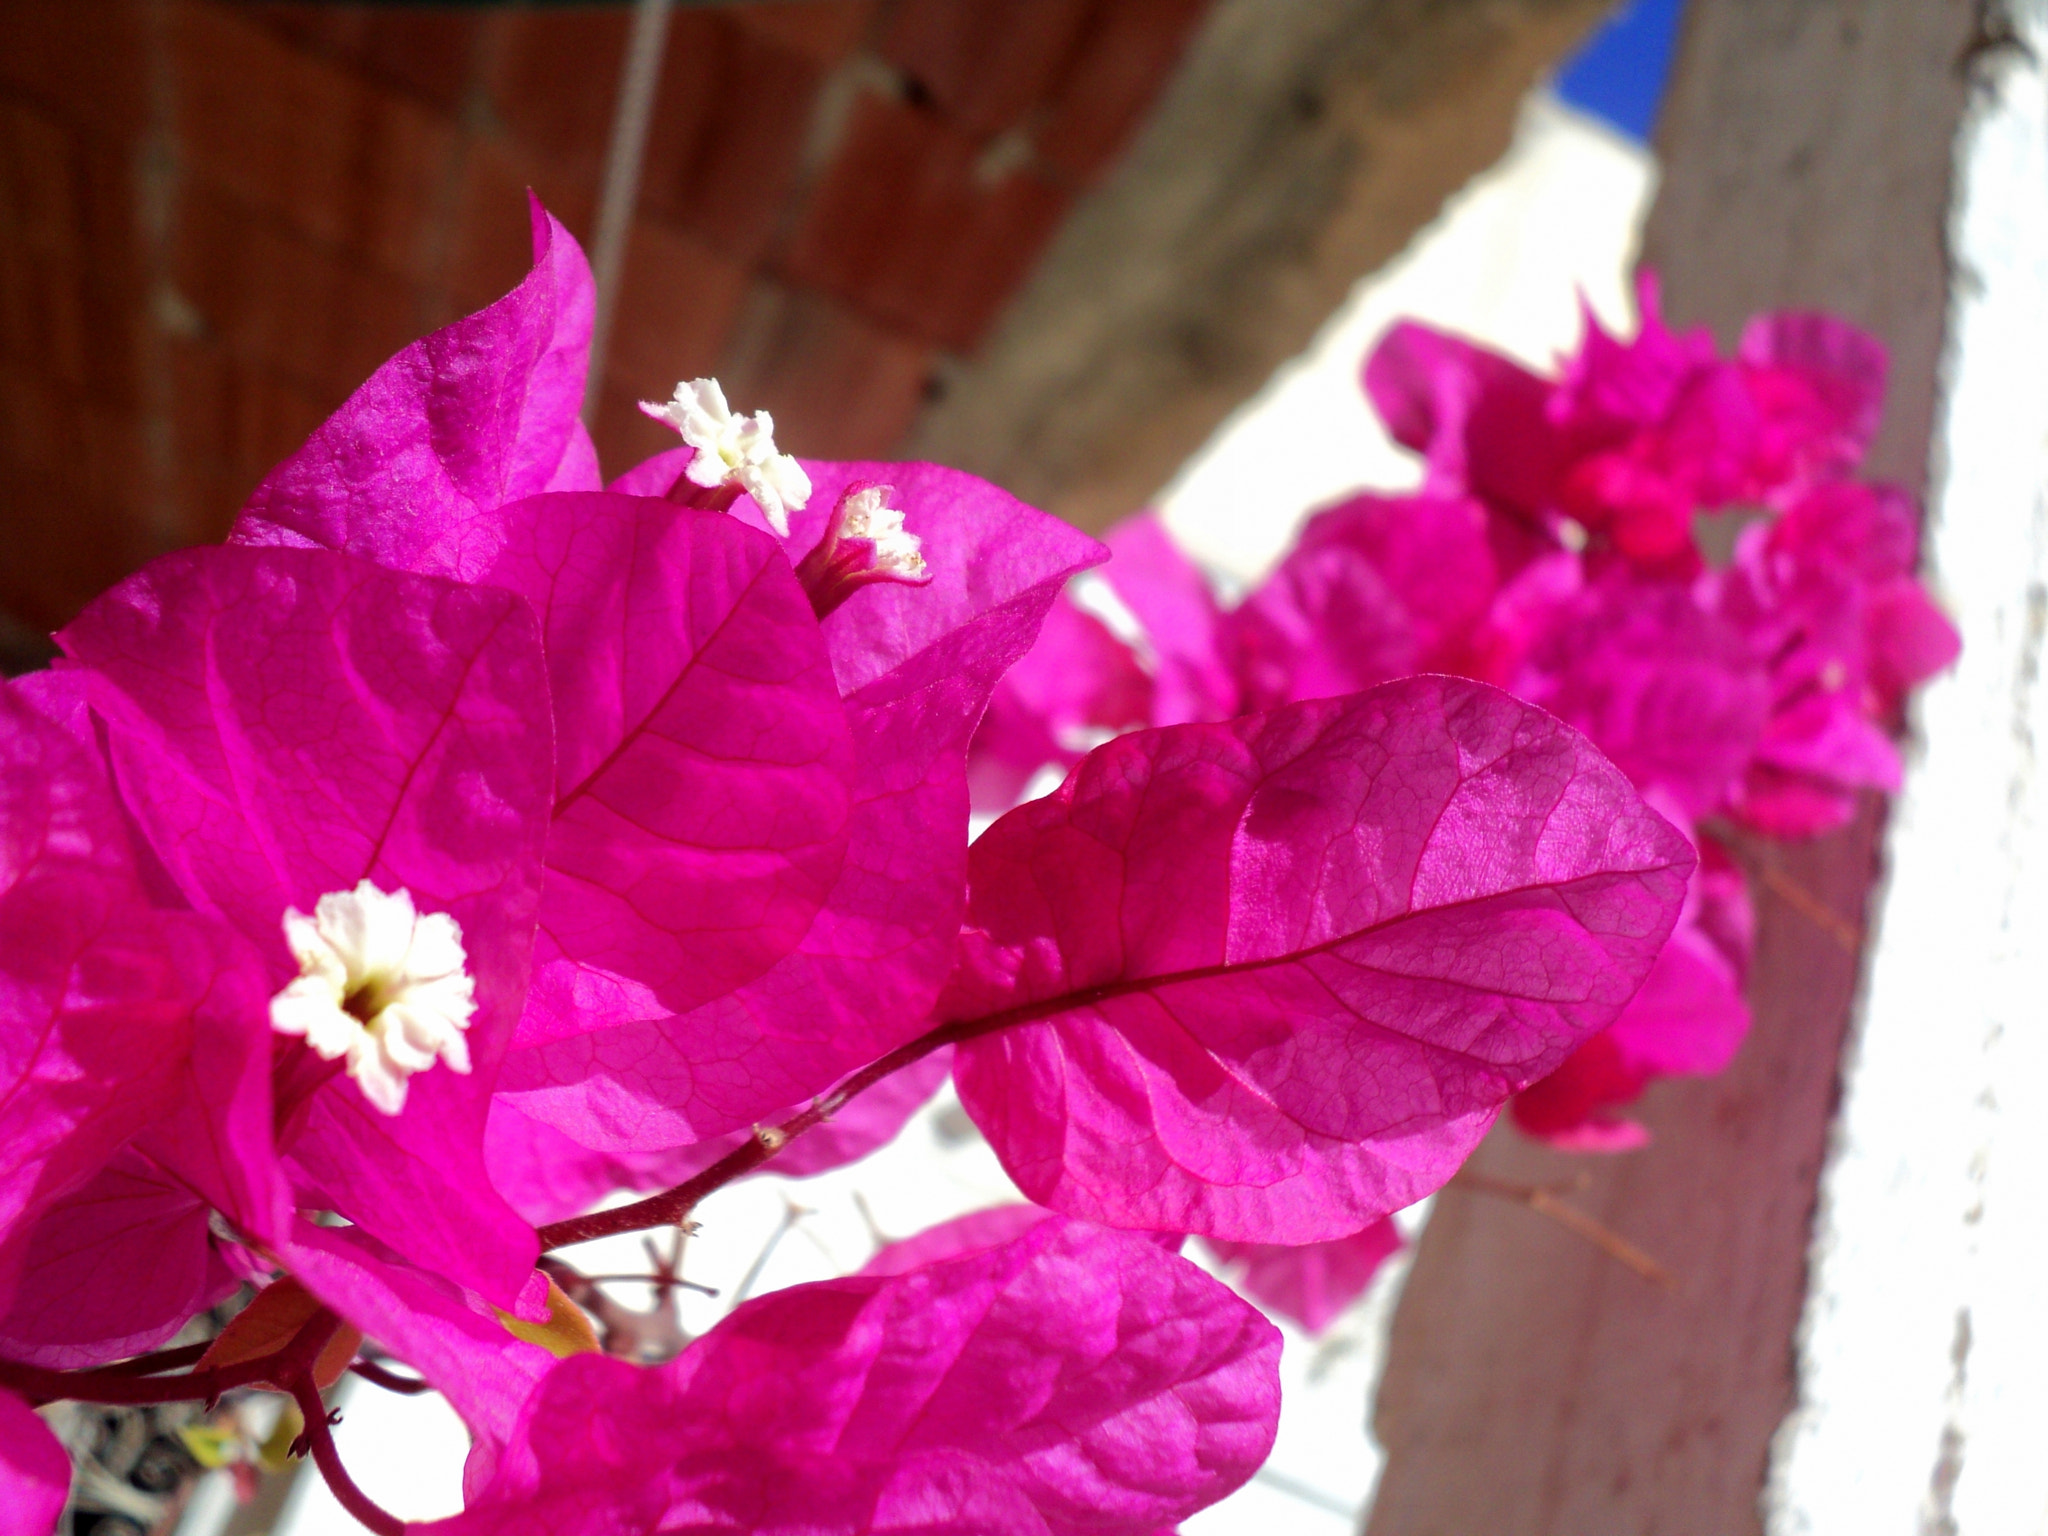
(469, 838)
(1554, 550)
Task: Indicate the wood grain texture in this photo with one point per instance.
(1535, 1387)
(1298, 148)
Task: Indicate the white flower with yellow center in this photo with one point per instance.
(734, 449)
(379, 983)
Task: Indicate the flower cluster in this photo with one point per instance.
(469, 838)
(1556, 548)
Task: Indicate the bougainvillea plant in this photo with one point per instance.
(1556, 549)
(468, 839)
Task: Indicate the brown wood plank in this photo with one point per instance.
(1298, 148)
(1534, 1385)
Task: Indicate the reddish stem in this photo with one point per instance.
(111, 1385)
(674, 1205)
(390, 1381)
(119, 1384)
(162, 1360)
(320, 1440)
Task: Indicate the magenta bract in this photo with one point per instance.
(548, 1176)
(1191, 669)
(100, 993)
(447, 1335)
(914, 667)
(1077, 686)
(1688, 1020)
(412, 470)
(113, 1269)
(1068, 1380)
(35, 1474)
(1275, 978)
(286, 723)
(1314, 1283)
(701, 756)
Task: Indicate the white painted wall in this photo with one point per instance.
(1924, 1352)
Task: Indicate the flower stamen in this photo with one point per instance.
(735, 452)
(864, 542)
(380, 984)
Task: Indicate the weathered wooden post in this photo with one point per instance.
(1535, 1386)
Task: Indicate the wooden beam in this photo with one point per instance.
(1299, 148)
(1535, 1387)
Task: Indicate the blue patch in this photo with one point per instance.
(1619, 75)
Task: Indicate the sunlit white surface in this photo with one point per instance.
(1504, 263)
(1924, 1356)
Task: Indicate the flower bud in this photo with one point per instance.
(865, 542)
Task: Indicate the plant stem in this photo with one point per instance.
(674, 1205)
(320, 1440)
(162, 1360)
(120, 1384)
(390, 1381)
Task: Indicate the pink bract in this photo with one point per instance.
(1191, 669)
(35, 1474)
(114, 1269)
(1688, 1020)
(1069, 1380)
(106, 999)
(914, 667)
(547, 1176)
(285, 723)
(1272, 980)
(1666, 688)
(413, 468)
(1075, 687)
(1377, 588)
(1312, 1284)
(701, 755)
(1480, 420)
(449, 1336)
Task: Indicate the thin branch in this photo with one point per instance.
(876, 1235)
(675, 1205)
(1760, 860)
(656, 1281)
(1546, 1203)
(319, 1438)
(112, 1385)
(162, 1360)
(792, 1213)
(118, 1384)
(390, 1381)
(1810, 907)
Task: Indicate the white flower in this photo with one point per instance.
(734, 450)
(866, 514)
(380, 983)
